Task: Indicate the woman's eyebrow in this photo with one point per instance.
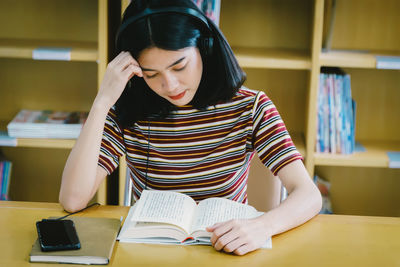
(173, 64)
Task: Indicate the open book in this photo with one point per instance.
(165, 217)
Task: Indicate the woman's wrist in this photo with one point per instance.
(266, 224)
(101, 104)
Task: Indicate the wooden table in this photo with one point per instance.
(326, 240)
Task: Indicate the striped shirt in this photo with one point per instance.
(201, 153)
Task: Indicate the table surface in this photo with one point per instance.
(326, 240)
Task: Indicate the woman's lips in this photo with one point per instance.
(179, 96)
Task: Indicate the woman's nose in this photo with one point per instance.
(170, 82)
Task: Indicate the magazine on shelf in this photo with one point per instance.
(47, 124)
(165, 217)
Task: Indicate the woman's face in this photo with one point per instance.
(173, 75)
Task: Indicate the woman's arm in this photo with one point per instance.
(82, 175)
(303, 202)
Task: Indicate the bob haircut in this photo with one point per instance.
(221, 77)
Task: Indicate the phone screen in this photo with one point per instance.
(57, 235)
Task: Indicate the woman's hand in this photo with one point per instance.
(238, 236)
(119, 71)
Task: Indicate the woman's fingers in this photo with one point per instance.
(132, 70)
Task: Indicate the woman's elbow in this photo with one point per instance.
(317, 200)
(71, 204)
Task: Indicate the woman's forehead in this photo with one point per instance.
(155, 58)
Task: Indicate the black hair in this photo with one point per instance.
(221, 77)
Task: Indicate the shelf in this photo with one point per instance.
(20, 48)
(272, 58)
(352, 59)
(374, 156)
(45, 143)
(41, 142)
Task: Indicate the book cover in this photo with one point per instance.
(165, 217)
(97, 237)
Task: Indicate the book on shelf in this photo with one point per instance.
(47, 124)
(97, 237)
(5, 177)
(165, 217)
(336, 113)
(394, 159)
(6, 140)
(211, 8)
(388, 62)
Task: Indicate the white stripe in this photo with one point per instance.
(268, 147)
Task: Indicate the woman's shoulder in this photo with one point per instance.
(250, 94)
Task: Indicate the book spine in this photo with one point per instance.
(5, 183)
(320, 115)
(332, 129)
(349, 116)
(1, 178)
(326, 115)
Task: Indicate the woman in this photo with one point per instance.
(173, 102)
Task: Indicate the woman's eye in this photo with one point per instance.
(151, 76)
(181, 68)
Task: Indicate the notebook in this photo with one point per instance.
(97, 237)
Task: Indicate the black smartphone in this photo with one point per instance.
(57, 235)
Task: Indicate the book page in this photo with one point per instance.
(213, 210)
(165, 207)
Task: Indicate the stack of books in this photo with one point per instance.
(336, 113)
(47, 124)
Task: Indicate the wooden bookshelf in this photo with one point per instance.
(70, 85)
(359, 32)
(20, 48)
(362, 183)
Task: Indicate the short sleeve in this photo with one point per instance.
(270, 137)
(112, 144)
